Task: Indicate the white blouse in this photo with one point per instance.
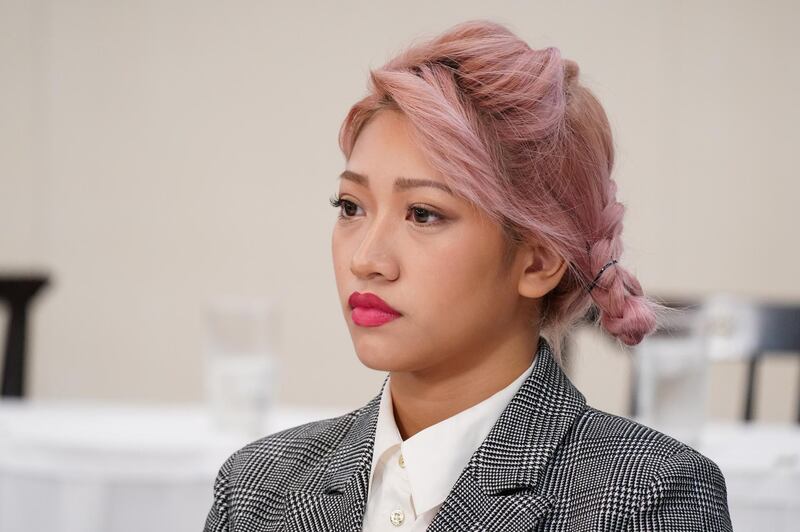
(410, 479)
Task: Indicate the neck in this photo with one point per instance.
(426, 397)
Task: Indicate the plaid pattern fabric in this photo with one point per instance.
(550, 463)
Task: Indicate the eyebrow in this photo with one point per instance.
(401, 183)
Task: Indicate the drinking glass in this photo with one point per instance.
(241, 346)
(673, 385)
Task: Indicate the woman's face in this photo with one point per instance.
(430, 255)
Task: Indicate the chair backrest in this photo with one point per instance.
(17, 292)
(734, 327)
(750, 329)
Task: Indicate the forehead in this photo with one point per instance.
(385, 148)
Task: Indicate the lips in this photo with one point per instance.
(369, 300)
(370, 310)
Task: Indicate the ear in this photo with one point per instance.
(543, 270)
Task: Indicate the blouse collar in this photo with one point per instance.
(436, 456)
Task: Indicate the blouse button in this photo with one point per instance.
(401, 461)
(397, 517)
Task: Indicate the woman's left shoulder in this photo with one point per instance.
(657, 476)
(623, 434)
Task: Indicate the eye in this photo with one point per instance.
(348, 210)
(424, 213)
(344, 205)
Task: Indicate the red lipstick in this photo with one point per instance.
(370, 311)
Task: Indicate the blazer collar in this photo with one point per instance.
(497, 490)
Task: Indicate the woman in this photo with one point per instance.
(477, 224)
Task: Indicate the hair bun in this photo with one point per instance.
(571, 71)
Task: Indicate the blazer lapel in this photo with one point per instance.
(334, 499)
(498, 489)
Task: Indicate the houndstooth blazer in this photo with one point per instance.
(550, 463)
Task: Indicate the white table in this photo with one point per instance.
(761, 464)
(80, 467)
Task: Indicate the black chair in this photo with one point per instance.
(17, 292)
(736, 328)
(765, 329)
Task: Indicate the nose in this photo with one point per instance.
(375, 254)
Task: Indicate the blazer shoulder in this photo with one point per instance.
(654, 470)
(620, 442)
(287, 451)
(626, 434)
(262, 467)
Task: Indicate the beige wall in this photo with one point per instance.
(157, 154)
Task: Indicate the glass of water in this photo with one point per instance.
(673, 385)
(241, 345)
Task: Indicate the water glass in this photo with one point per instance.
(241, 346)
(673, 385)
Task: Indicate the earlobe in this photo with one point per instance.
(543, 272)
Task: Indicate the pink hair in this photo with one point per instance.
(513, 132)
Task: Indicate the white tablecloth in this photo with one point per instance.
(761, 464)
(77, 467)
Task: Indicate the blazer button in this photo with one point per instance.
(397, 517)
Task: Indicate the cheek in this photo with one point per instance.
(461, 300)
(339, 254)
(464, 271)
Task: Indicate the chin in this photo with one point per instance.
(375, 355)
(378, 364)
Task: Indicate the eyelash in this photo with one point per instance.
(337, 201)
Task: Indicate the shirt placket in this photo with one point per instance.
(400, 510)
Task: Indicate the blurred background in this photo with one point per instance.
(165, 169)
